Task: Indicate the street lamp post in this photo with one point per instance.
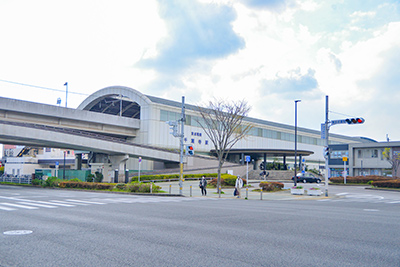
(295, 141)
(66, 93)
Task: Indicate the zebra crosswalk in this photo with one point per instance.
(15, 203)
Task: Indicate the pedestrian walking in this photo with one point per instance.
(203, 186)
(238, 185)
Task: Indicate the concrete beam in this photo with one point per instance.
(10, 134)
(30, 112)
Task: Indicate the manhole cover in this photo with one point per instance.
(18, 232)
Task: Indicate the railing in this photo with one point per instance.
(20, 179)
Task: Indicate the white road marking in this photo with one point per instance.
(37, 205)
(19, 206)
(5, 208)
(45, 202)
(86, 202)
(18, 232)
(62, 203)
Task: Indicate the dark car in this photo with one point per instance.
(307, 178)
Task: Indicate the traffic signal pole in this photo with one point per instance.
(181, 141)
(326, 145)
(325, 135)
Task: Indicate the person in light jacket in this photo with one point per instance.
(203, 186)
(238, 185)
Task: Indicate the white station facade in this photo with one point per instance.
(267, 139)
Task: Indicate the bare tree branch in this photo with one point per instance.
(223, 124)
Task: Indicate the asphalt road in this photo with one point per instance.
(357, 227)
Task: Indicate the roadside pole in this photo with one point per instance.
(344, 169)
(247, 169)
(326, 145)
(175, 132)
(140, 163)
(325, 135)
(181, 141)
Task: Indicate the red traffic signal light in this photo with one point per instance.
(190, 150)
(355, 120)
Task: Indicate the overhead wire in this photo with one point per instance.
(44, 88)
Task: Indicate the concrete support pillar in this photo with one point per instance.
(126, 176)
(118, 163)
(284, 162)
(78, 161)
(265, 161)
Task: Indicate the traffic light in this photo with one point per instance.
(189, 150)
(174, 127)
(326, 152)
(355, 120)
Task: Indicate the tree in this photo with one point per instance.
(223, 123)
(393, 159)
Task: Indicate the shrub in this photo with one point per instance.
(387, 183)
(226, 180)
(103, 186)
(120, 186)
(171, 176)
(86, 185)
(90, 178)
(358, 179)
(36, 182)
(142, 187)
(75, 180)
(51, 182)
(271, 186)
(297, 187)
(98, 177)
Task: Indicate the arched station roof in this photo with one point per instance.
(116, 100)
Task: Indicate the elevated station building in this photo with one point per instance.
(267, 140)
(116, 125)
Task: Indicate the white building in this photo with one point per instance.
(363, 158)
(267, 139)
(25, 160)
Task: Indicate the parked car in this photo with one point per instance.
(307, 178)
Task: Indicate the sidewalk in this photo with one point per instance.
(191, 189)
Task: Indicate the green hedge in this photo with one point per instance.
(86, 185)
(359, 179)
(387, 183)
(171, 176)
(271, 186)
(226, 180)
(142, 187)
(133, 187)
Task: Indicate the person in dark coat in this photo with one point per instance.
(203, 186)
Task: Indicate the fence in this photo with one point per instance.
(22, 179)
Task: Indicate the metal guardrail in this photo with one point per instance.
(22, 179)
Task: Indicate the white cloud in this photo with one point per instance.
(305, 48)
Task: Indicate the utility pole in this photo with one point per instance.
(183, 119)
(66, 93)
(325, 135)
(295, 142)
(175, 132)
(326, 145)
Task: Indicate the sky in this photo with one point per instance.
(268, 53)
